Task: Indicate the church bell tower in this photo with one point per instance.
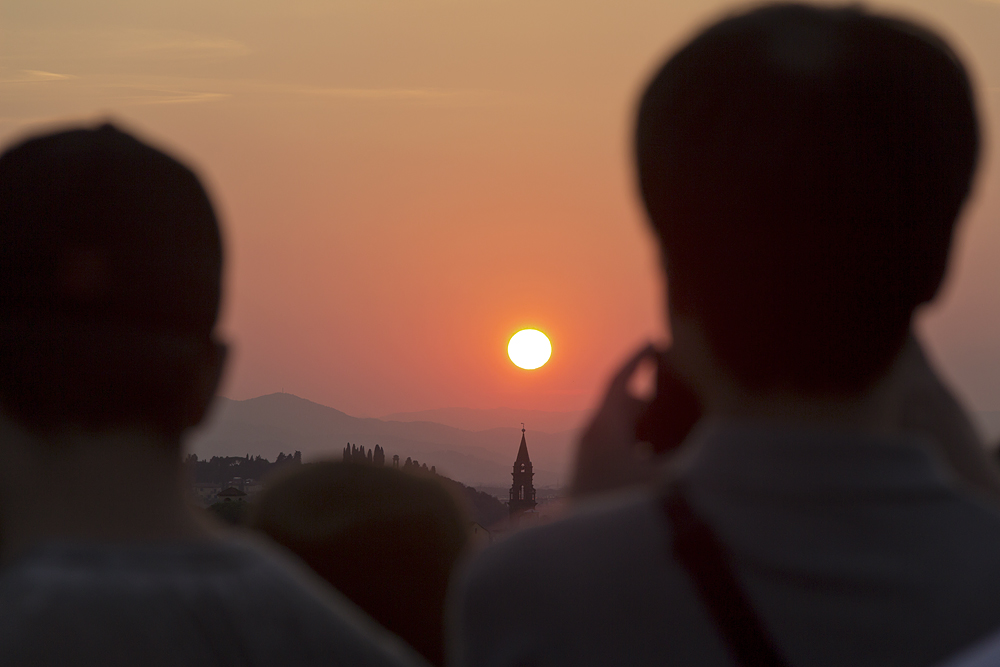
(522, 492)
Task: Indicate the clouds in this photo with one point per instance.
(132, 95)
(33, 76)
(148, 89)
(62, 71)
(83, 45)
(39, 96)
(385, 94)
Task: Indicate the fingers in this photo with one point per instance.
(619, 382)
(605, 458)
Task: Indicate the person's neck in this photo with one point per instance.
(869, 411)
(113, 486)
(725, 398)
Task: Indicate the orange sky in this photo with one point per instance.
(405, 183)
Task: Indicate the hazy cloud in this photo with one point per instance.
(30, 94)
(80, 44)
(33, 75)
(401, 94)
(143, 95)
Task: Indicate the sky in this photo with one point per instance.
(403, 184)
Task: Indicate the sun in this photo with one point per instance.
(529, 349)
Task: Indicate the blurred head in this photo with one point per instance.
(803, 168)
(385, 538)
(110, 266)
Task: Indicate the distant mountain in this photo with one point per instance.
(469, 419)
(275, 423)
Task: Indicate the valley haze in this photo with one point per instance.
(476, 456)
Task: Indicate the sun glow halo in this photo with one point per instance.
(529, 349)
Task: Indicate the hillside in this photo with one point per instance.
(482, 420)
(275, 423)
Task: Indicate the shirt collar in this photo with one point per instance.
(789, 460)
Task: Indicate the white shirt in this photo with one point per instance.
(985, 653)
(855, 550)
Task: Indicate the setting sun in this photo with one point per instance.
(529, 349)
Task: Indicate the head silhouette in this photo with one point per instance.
(385, 538)
(803, 168)
(110, 264)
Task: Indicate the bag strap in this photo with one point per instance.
(709, 565)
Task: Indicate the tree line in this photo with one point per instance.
(484, 508)
(221, 469)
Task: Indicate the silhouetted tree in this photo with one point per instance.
(221, 469)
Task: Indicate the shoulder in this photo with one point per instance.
(586, 590)
(985, 653)
(231, 597)
(612, 541)
(291, 596)
(610, 530)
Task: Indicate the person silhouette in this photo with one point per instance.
(110, 281)
(385, 538)
(803, 169)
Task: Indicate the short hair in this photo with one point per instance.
(803, 168)
(110, 272)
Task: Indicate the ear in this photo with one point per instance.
(206, 382)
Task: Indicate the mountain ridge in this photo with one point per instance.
(471, 419)
(266, 425)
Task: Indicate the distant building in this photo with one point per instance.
(246, 484)
(479, 537)
(522, 491)
(205, 493)
(252, 487)
(231, 494)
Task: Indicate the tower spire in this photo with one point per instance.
(522, 453)
(522, 491)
